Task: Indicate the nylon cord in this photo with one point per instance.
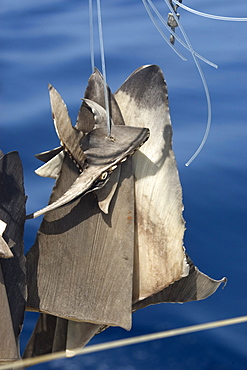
(123, 342)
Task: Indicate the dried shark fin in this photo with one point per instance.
(159, 252)
(80, 333)
(158, 196)
(91, 248)
(60, 335)
(12, 270)
(52, 334)
(41, 340)
(8, 350)
(69, 136)
(99, 113)
(53, 162)
(85, 123)
(49, 154)
(95, 93)
(103, 155)
(194, 287)
(51, 168)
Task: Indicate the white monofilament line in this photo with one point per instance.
(102, 54)
(164, 22)
(122, 342)
(198, 65)
(158, 28)
(91, 34)
(212, 16)
(194, 54)
(204, 139)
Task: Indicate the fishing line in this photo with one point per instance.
(204, 139)
(160, 31)
(212, 16)
(91, 34)
(102, 55)
(122, 343)
(164, 22)
(205, 136)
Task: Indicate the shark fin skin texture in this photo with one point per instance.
(12, 270)
(69, 136)
(91, 269)
(159, 225)
(53, 334)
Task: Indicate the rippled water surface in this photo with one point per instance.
(48, 42)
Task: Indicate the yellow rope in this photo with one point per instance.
(121, 343)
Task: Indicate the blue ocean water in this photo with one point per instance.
(48, 42)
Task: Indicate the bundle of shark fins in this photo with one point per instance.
(111, 240)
